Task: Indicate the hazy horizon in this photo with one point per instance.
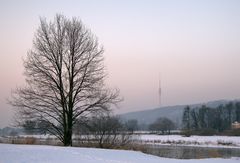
(194, 45)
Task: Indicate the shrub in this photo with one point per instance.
(235, 132)
(187, 133)
(30, 140)
(222, 142)
(207, 132)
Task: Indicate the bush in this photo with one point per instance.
(21, 140)
(207, 132)
(30, 140)
(186, 133)
(222, 142)
(203, 132)
(235, 132)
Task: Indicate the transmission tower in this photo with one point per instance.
(159, 91)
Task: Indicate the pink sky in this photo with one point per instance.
(193, 44)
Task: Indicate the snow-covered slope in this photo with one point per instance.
(49, 154)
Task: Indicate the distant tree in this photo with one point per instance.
(43, 127)
(195, 119)
(65, 77)
(202, 117)
(36, 127)
(221, 118)
(13, 133)
(131, 125)
(162, 124)
(80, 128)
(237, 111)
(30, 126)
(229, 108)
(143, 126)
(186, 118)
(209, 114)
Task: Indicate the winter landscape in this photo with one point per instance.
(120, 81)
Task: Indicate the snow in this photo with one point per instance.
(208, 141)
(52, 154)
(200, 141)
(46, 136)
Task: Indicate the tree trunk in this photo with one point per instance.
(68, 137)
(68, 131)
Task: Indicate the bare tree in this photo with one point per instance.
(162, 124)
(65, 77)
(131, 125)
(108, 131)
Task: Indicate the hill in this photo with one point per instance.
(172, 112)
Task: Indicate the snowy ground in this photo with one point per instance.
(201, 141)
(52, 154)
(209, 141)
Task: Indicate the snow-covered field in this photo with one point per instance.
(52, 154)
(209, 141)
(201, 141)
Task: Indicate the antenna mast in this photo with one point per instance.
(159, 90)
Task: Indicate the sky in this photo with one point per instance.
(193, 46)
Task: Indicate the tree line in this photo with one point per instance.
(211, 120)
